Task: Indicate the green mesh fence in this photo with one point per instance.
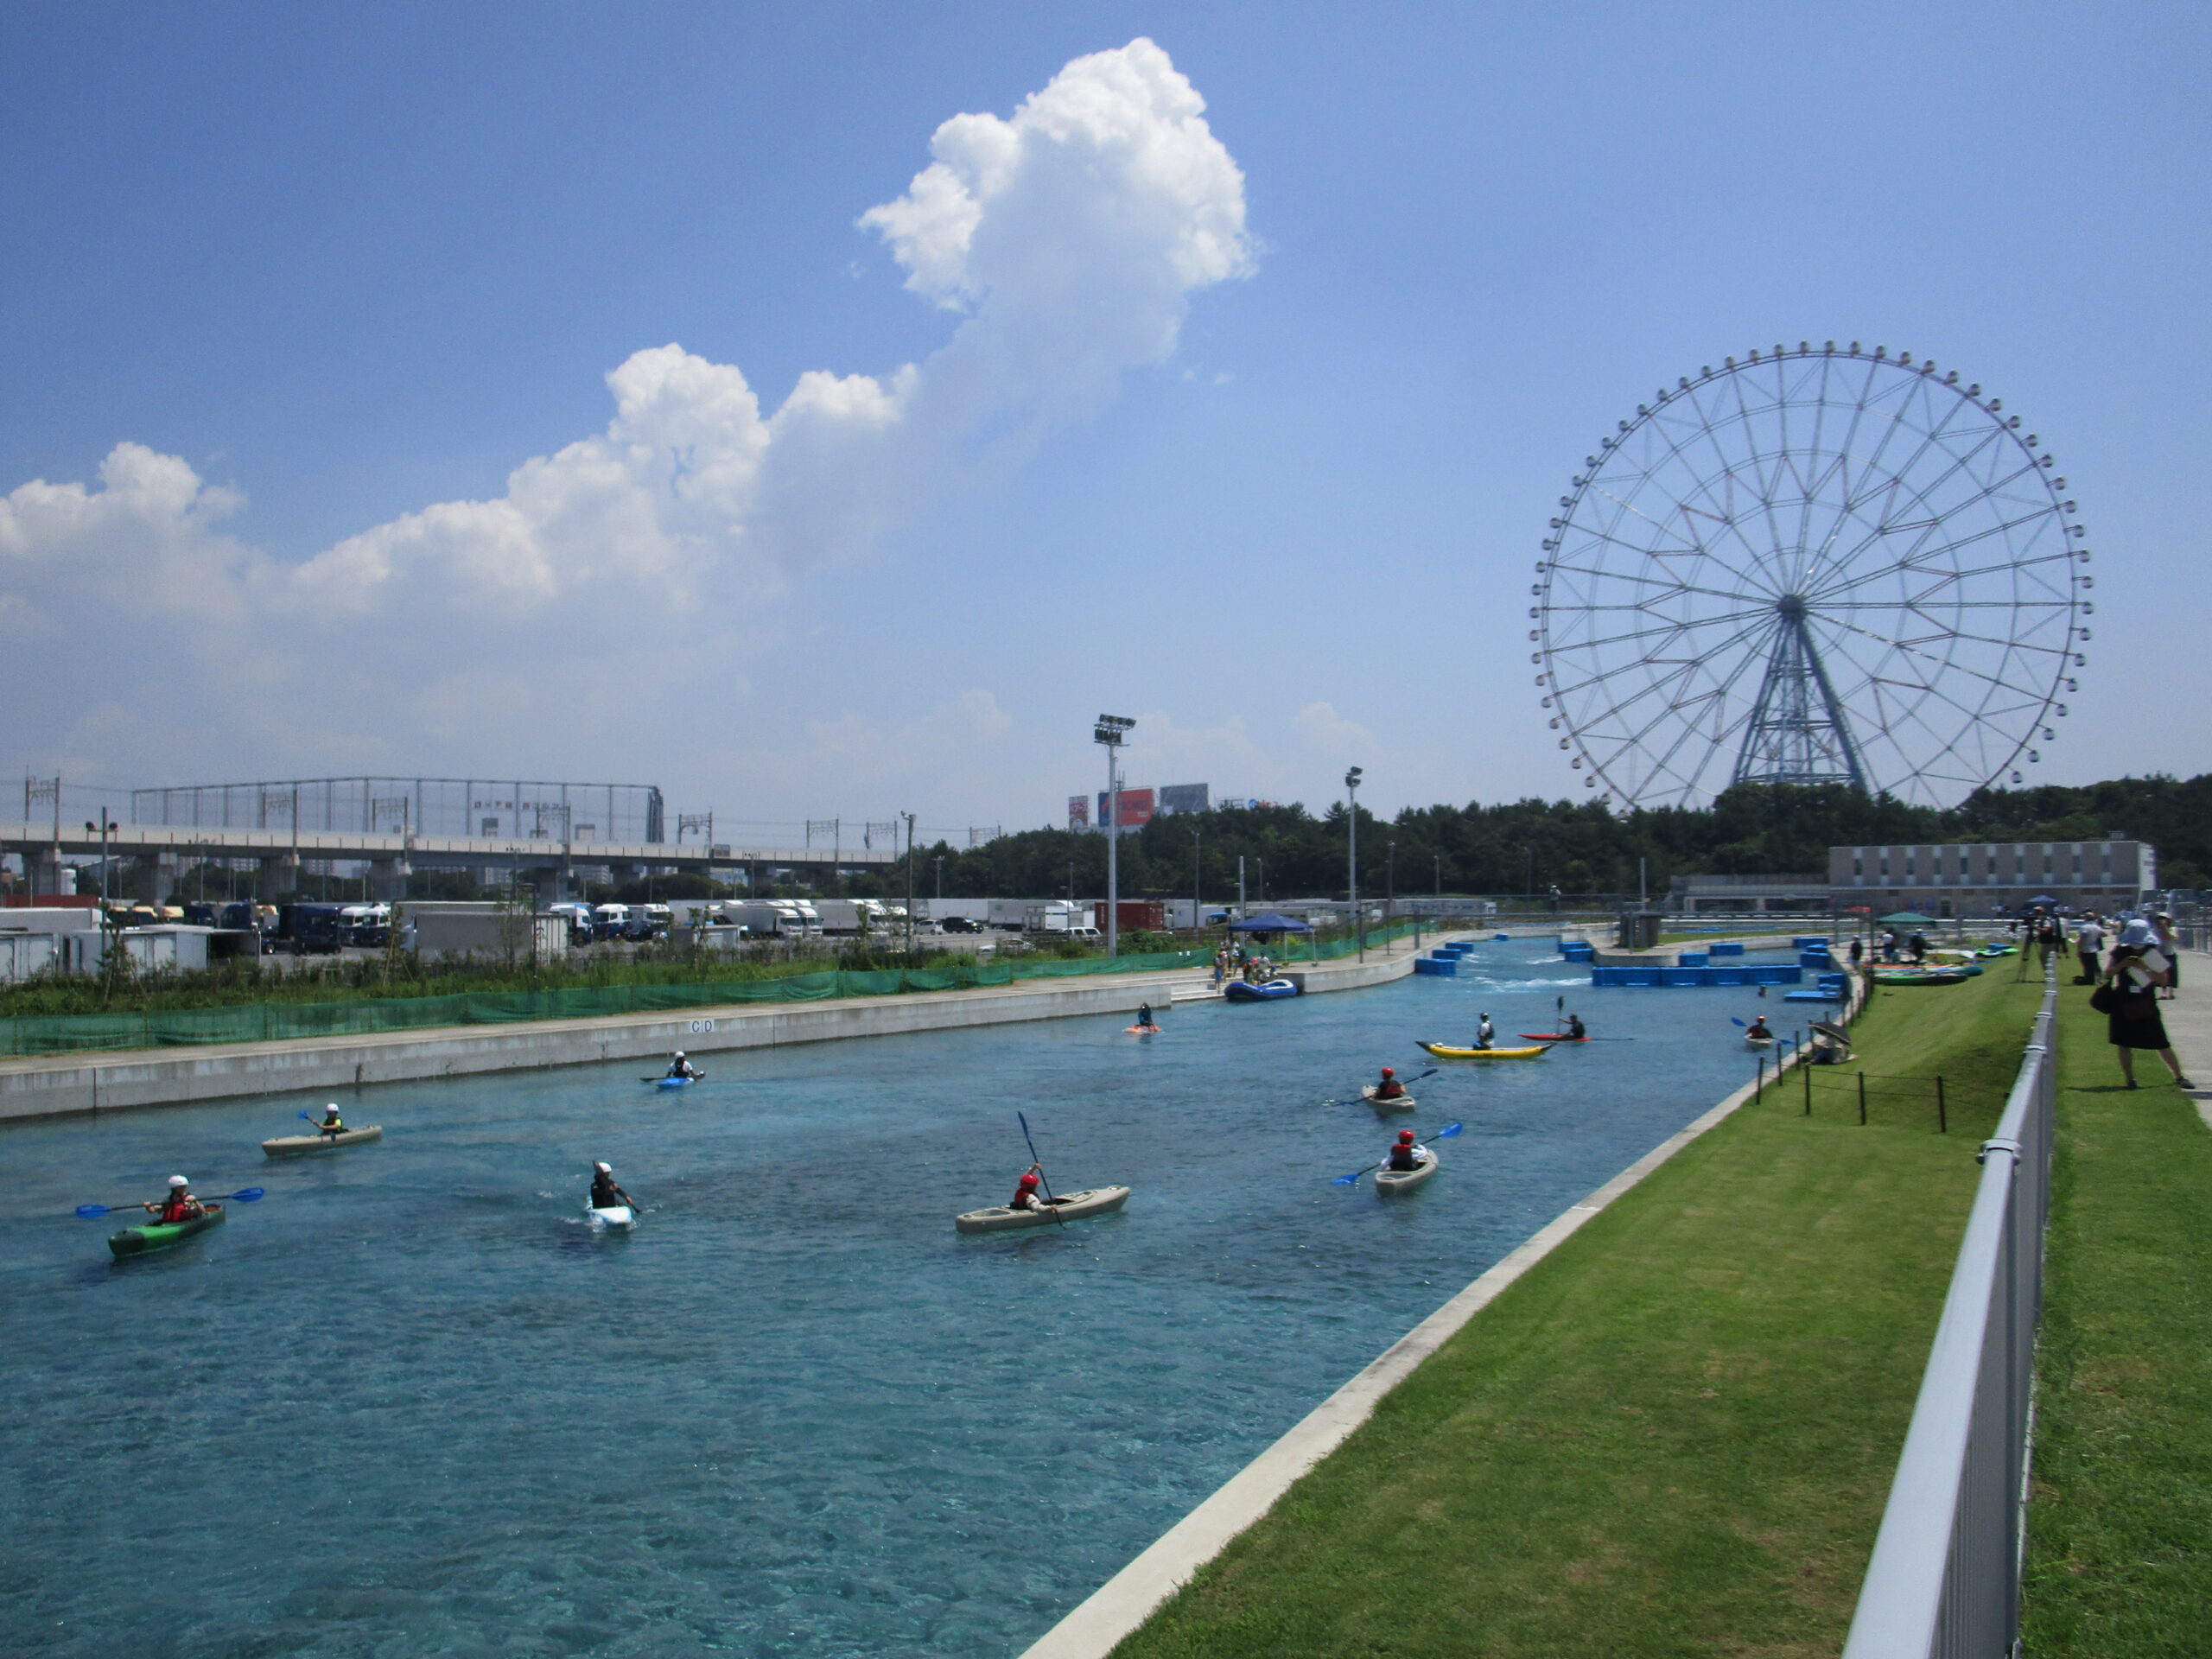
(275, 1022)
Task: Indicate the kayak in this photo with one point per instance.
(1072, 1206)
(1396, 1103)
(291, 1146)
(1920, 976)
(1552, 1037)
(1389, 1181)
(1141, 1031)
(672, 1083)
(1237, 991)
(158, 1235)
(1445, 1052)
(1760, 1043)
(620, 1217)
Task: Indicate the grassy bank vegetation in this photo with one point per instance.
(1673, 1437)
(2119, 1562)
(399, 975)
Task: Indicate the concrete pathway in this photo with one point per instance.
(2189, 1022)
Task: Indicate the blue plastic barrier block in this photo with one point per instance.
(1726, 948)
(1692, 959)
(1446, 965)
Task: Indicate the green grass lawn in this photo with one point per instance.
(1674, 1435)
(2119, 1563)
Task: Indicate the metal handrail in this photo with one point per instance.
(1944, 1580)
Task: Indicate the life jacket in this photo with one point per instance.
(1389, 1088)
(1404, 1157)
(179, 1207)
(332, 1125)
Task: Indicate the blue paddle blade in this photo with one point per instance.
(249, 1194)
(1346, 1180)
(1447, 1131)
(88, 1211)
(304, 1118)
(1734, 1020)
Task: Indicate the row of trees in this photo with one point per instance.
(1530, 846)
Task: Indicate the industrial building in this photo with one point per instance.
(1993, 878)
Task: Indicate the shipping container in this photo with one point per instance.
(1148, 915)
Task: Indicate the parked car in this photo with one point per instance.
(964, 925)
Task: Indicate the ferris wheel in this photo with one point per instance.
(1823, 565)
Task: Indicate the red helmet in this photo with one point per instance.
(1029, 1180)
(1405, 1137)
(1388, 1072)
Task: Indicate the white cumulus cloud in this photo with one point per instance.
(1069, 236)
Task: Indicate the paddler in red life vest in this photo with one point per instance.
(1026, 1193)
(180, 1205)
(1407, 1153)
(1389, 1088)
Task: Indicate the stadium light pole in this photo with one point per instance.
(1351, 847)
(1111, 731)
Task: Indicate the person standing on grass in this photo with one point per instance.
(2132, 1018)
(2170, 944)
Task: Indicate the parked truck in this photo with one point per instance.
(1058, 916)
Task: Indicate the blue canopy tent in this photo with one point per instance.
(1273, 921)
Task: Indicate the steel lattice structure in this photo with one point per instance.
(1821, 565)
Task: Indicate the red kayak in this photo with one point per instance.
(1550, 1036)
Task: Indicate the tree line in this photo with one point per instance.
(1530, 846)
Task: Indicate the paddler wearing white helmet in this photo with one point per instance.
(605, 1194)
(331, 1124)
(680, 1067)
(180, 1205)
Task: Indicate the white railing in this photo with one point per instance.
(1944, 1582)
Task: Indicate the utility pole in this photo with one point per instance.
(1197, 921)
(1111, 732)
(1439, 875)
(910, 885)
(1352, 846)
(939, 861)
(1242, 912)
(1389, 890)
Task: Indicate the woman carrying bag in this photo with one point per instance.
(2128, 998)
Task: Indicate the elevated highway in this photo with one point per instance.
(160, 852)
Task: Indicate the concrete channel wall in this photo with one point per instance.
(175, 1077)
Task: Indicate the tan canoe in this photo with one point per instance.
(1396, 1103)
(1072, 1206)
(291, 1146)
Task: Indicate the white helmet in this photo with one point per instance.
(604, 1169)
(679, 1053)
(178, 1180)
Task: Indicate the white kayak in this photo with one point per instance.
(1396, 1103)
(618, 1216)
(1761, 1044)
(291, 1146)
(1389, 1181)
(1072, 1206)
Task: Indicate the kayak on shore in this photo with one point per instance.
(159, 1236)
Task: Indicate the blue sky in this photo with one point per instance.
(345, 266)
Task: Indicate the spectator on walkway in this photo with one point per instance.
(2169, 945)
(2133, 1021)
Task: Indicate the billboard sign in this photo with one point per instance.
(1184, 797)
(1079, 811)
(1136, 809)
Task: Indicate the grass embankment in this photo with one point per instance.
(1674, 1435)
(399, 975)
(2119, 1556)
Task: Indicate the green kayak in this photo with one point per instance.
(156, 1236)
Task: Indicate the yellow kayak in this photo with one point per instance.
(1443, 1052)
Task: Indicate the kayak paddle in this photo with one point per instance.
(1041, 1175)
(1444, 1134)
(88, 1211)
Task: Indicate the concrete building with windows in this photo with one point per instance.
(1992, 878)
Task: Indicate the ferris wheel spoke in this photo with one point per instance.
(1914, 651)
(1665, 683)
(1881, 531)
(1724, 512)
(1663, 631)
(1936, 431)
(1673, 584)
(1916, 561)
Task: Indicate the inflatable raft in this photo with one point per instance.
(1237, 991)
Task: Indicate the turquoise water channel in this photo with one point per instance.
(409, 1404)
